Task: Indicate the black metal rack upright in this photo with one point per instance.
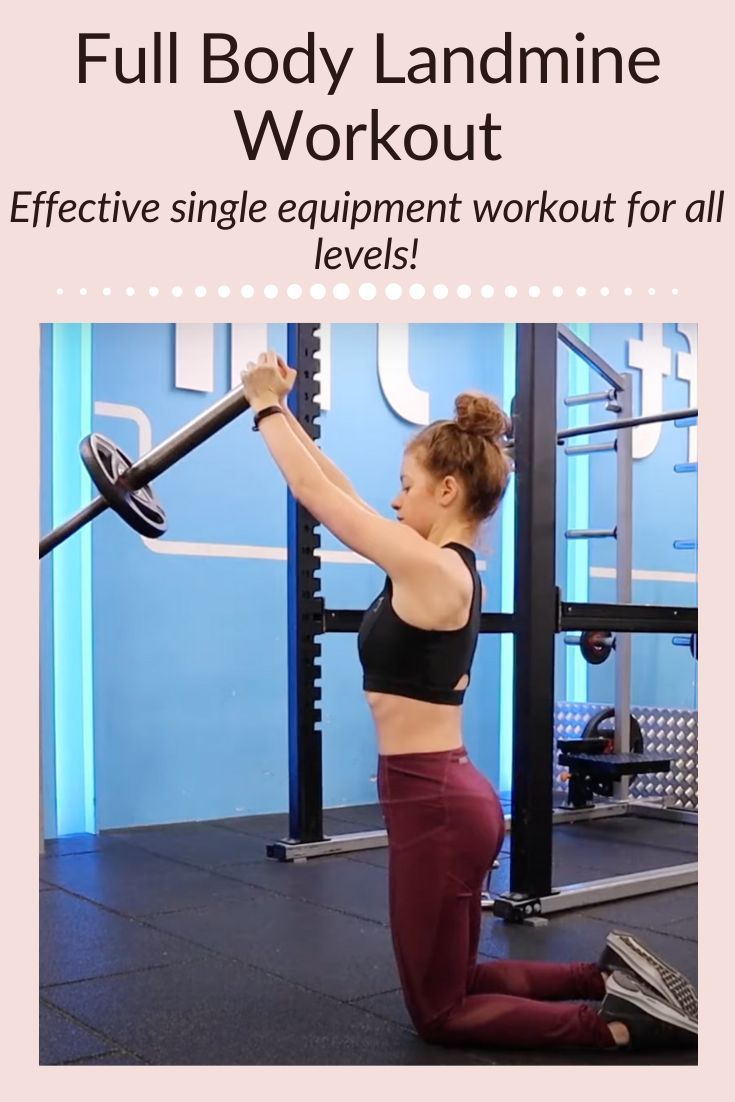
(305, 614)
(534, 608)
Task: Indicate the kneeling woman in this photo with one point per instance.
(444, 820)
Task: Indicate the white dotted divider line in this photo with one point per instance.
(367, 291)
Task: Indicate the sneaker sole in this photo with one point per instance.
(657, 1008)
(672, 985)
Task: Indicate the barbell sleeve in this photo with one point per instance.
(72, 525)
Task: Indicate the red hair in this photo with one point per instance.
(471, 448)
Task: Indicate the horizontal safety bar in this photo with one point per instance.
(688, 415)
(590, 449)
(591, 533)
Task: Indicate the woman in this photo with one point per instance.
(444, 821)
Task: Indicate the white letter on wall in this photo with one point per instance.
(653, 360)
(686, 368)
(402, 396)
(248, 341)
(194, 357)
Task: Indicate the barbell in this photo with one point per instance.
(124, 485)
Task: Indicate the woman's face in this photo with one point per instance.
(417, 503)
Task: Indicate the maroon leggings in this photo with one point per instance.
(445, 828)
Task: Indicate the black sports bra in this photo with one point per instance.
(403, 660)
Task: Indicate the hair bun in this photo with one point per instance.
(480, 415)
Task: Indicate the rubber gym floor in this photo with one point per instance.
(185, 944)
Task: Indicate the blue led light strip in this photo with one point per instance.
(72, 583)
(578, 516)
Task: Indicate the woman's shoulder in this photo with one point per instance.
(449, 569)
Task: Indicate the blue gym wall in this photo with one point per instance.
(188, 649)
(177, 661)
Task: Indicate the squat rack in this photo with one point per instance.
(539, 615)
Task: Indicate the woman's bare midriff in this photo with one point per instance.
(406, 726)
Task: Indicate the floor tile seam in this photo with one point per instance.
(118, 1046)
(137, 847)
(122, 972)
(113, 1052)
(230, 960)
(276, 894)
(617, 924)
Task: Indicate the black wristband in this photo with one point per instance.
(263, 413)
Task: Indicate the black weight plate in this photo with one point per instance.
(596, 646)
(593, 729)
(107, 465)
